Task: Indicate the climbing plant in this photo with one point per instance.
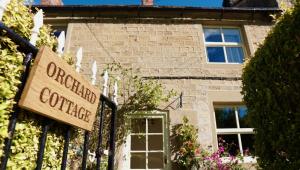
(135, 94)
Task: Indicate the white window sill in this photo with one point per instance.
(246, 159)
(235, 131)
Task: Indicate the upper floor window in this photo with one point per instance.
(223, 45)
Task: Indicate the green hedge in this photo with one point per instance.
(271, 88)
(25, 142)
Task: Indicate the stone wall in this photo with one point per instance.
(159, 49)
(255, 35)
(173, 51)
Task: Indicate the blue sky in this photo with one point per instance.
(198, 3)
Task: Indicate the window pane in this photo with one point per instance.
(212, 35)
(156, 160)
(225, 117)
(138, 160)
(215, 54)
(230, 143)
(155, 125)
(235, 54)
(138, 142)
(248, 143)
(138, 125)
(231, 35)
(243, 117)
(155, 142)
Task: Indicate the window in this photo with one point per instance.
(223, 45)
(233, 130)
(148, 143)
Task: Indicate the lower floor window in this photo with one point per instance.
(237, 143)
(233, 130)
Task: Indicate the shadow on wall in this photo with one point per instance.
(175, 147)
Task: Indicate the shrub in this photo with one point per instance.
(24, 147)
(271, 89)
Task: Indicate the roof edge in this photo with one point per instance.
(137, 11)
(156, 7)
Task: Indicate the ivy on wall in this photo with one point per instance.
(271, 83)
(135, 94)
(26, 138)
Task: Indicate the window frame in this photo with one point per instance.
(234, 131)
(223, 44)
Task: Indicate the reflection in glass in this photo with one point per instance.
(235, 54)
(231, 35)
(138, 125)
(225, 117)
(155, 142)
(138, 160)
(138, 142)
(155, 125)
(248, 143)
(215, 54)
(155, 160)
(243, 117)
(212, 35)
(230, 143)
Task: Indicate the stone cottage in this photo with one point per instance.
(196, 51)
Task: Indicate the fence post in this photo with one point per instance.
(38, 23)
(3, 4)
(105, 77)
(60, 50)
(60, 43)
(112, 138)
(79, 58)
(66, 147)
(87, 133)
(94, 72)
(115, 95)
(68, 127)
(43, 138)
(100, 150)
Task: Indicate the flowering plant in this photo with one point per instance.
(191, 155)
(215, 161)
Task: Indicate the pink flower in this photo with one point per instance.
(221, 149)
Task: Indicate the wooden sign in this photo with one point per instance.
(55, 90)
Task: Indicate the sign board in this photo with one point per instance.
(55, 90)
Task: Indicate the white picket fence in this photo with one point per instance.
(38, 23)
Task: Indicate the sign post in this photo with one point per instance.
(55, 90)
